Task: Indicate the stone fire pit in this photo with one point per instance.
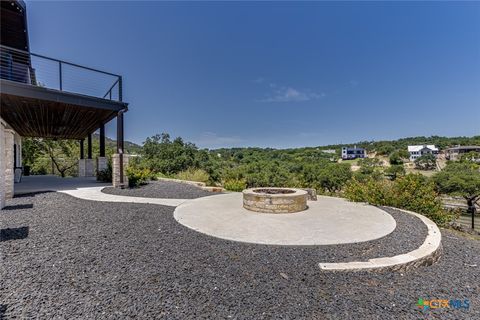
(275, 200)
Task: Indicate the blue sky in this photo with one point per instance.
(277, 74)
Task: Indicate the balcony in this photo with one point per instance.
(51, 98)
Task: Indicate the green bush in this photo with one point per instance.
(137, 176)
(412, 192)
(329, 177)
(426, 162)
(417, 193)
(191, 174)
(235, 185)
(105, 175)
(398, 157)
(376, 192)
(394, 171)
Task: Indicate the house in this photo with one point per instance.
(353, 153)
(420, 150)
(455, 153)
(329, 151)
(45, 97)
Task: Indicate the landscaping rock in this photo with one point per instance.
(85, 260)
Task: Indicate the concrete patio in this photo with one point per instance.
(68, 257)
(34, 184)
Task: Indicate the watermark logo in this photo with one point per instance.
(443, 304)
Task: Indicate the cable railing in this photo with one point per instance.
(38, 70)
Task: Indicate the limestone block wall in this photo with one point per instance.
(81, 167)
(86, 168)
(8, 159)
(102, 163)
(116, 170)
(89, 168)
(2, 164)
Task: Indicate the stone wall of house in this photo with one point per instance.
(9, 162)
(2, 165)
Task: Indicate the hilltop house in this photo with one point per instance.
(349, 153)
(455, 152)
(45, 97)
(420, 150)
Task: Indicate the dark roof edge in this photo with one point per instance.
(35, 92)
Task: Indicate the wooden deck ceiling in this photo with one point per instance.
(34, 111)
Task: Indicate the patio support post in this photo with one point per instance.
(102, 140)
(89, 146)
(102, 163)
(81, 161)
(120, 143)
(81, 149)
(120, 161)
(89, 165)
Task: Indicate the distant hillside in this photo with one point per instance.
(387, 146)
(130, 147)
(383, 146)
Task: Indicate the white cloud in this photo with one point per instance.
(289, 94)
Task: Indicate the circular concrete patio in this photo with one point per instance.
(325, 222)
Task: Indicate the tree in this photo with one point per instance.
(368, 165)
(31, 150)
(460, 179)
(426, 162)
(394, 171)
(471, 156)
(330, 177)
(398, 157)
(369, 168)
(62, 154)
(166, 156)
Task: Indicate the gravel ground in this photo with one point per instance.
(64, 257)
(161, 189)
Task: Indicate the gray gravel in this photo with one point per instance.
(161, 189)
(68, 258)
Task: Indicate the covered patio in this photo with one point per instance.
(49, 183)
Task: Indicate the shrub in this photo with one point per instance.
(137, 176)
(416, 193)
(105, 175)
(330, 177)
(235, 185)
(394, 171)
(376, 192)
(198, 175)
(426, 162)
(412, 192)
(398, 157)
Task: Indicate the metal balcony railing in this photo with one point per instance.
(37, 70)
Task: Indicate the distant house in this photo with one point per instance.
(420, 150)
(353, 153)
(455, 152)
(330, 151)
